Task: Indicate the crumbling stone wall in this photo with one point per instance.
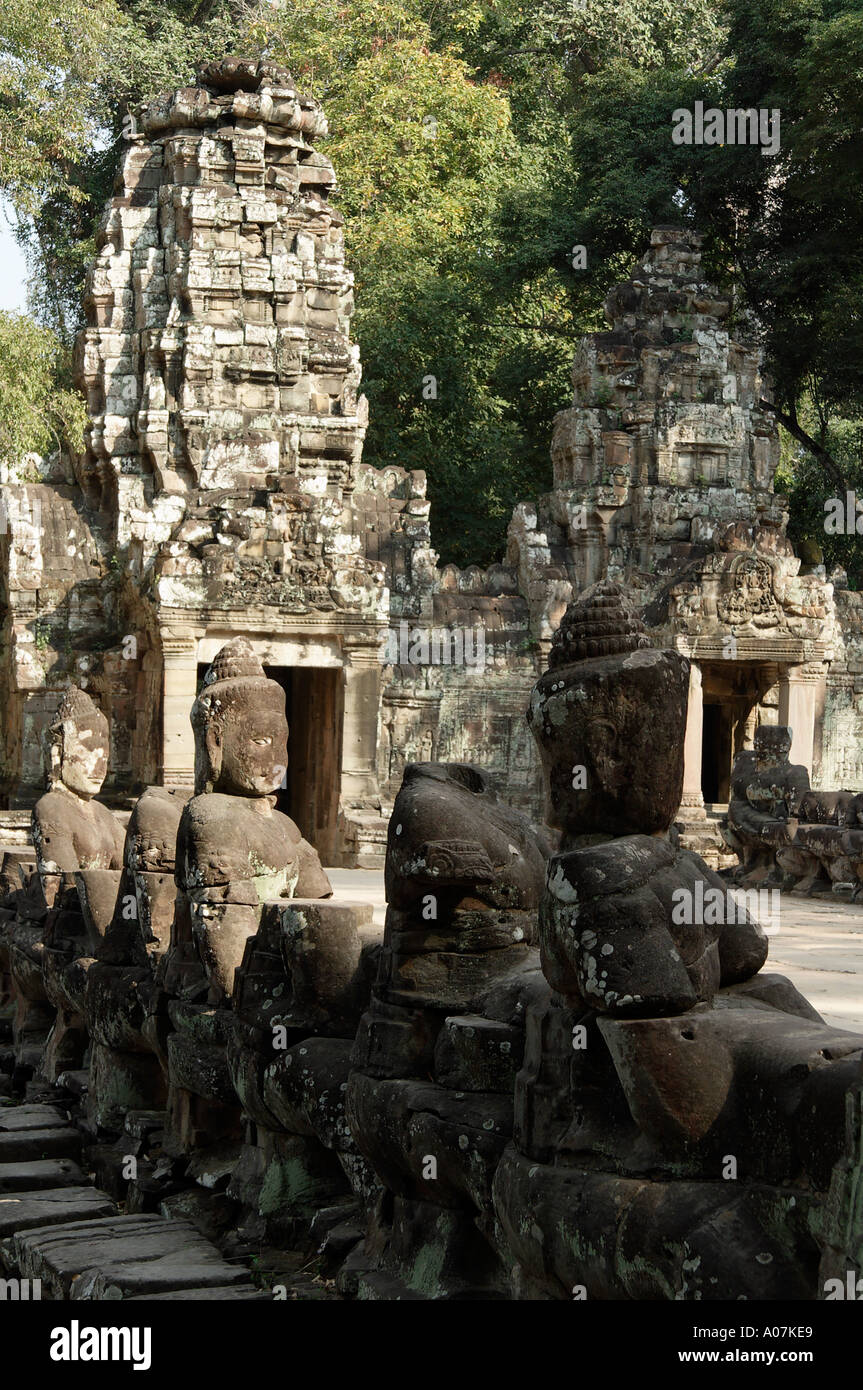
(56, 607)
(465, 704)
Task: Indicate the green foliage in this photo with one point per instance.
(38, 411)
(797, 221)
(552, 128)
(802, 479)
(431, 179)
(51, 55)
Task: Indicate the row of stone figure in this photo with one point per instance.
(786, 834)
(537, 1082)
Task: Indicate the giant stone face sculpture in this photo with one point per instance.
(234, 849)
(71, 830)
(608, 716)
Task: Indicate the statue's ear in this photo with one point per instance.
(208, 757)
(53, 759)
(213, 740)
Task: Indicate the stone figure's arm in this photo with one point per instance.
(223, 918)
(53, 838)
(449, 863)
(312, 881)
(118, 856)
(57, 855)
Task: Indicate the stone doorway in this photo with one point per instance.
(732, 691)
(314, 704)
(716, 753)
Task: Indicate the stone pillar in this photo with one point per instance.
(179, 686)
(362, 711)
(798, 695)
(692, 804)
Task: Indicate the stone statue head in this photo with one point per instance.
(609, 718)
(77, 743)
(241, 733)
(772, 744)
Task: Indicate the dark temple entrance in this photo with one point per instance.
(314, 704)
(716, 753)
(731, 692)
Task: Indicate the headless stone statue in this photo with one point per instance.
(125, 1073)
(662, 1053)
(778, 784)
(437, 1051)
(608, 717)
(234, 849)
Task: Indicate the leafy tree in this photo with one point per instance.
(477, 142)
(429, 168)
(808, 488)
(785, 234)
(799, 226)
(51, 56)
(38, 410)
(138, 49)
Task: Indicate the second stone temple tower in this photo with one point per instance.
(663, 483)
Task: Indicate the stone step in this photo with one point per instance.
(140, 1124)
(20, 1117)
(40, 1174)
(53, 1207)
(62, 1141)
(122, 1257)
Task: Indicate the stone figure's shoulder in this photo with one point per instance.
(56, 824)
(103, 816)
(288, 827)
(211, 815)
(55, 811)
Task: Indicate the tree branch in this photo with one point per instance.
(202, 13)
(796, 430)
(710, 64)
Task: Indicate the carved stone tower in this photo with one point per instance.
(663, 483)
(226, 428)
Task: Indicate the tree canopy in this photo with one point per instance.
(476, 144)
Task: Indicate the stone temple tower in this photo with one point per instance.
(663, 483)
(226, 430)
(222, 493)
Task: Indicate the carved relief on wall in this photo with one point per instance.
(747, 593)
